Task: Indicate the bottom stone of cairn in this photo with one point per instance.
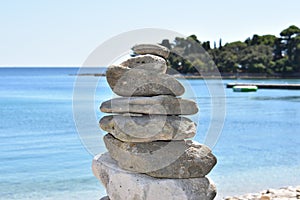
(123, 185)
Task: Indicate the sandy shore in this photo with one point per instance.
(285, 193)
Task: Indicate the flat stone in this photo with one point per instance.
(140, 82)
(154, 49)
(162, 159)
(148, 128)
(157, 105)
(147, 62)
(123, 185)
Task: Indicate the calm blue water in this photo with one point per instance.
(42, 156)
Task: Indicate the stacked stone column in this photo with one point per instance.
(150, 153)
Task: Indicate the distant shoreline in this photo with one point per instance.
(86, 74)
(184, 76)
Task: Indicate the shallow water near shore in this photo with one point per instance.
(42, 156)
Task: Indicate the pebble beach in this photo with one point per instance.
(284, 193)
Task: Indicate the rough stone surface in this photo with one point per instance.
(162, 159)
(148, 128)
(154, 49)
(140, 82)
(157, 105)
(285, 193)
(147, 62)
(124, 185)
(114, 73)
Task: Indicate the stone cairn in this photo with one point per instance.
(150, 155)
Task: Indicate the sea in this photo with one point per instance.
(48, 141)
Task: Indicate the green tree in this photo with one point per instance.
(290, 42)
(220, 44)
(289, 32)
(257, 54)
(295, 53)
(278, 49)
(166, 43)
(235, 47)
(267, 40)
(206, 45)
(227, 61)
(256, 59)
(281, 65)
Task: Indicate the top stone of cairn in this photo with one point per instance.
(144, 74)
(154, 49)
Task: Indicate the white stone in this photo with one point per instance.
(125, 185)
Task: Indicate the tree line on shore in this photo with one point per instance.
(265, 54)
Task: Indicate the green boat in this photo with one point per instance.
(244, 88)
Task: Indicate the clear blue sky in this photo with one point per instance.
(64, 32)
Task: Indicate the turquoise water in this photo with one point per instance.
(42, 156)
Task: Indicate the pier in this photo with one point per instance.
(267, 85)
